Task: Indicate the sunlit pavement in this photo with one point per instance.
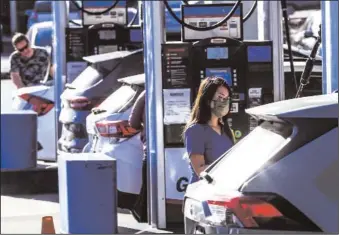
(23, 214)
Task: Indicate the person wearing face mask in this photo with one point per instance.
(207, 134)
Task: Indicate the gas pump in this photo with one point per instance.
(247, 66)
(106, 37)
(104, 30)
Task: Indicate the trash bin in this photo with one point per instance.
(18, 140)
(87, 193)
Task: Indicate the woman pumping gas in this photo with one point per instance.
(207, 134)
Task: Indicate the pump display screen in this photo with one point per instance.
(259, 54)
(217, 53)
(107, 34)
(225, 73)
(208, 15)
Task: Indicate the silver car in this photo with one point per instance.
(280, 178)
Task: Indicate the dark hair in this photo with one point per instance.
(19, 37)
(201, 111)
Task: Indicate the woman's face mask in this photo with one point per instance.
(220, 107)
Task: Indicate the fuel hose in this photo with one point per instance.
(288, 39)
(305, 76)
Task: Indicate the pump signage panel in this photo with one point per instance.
(176, 65)
(76, 49)
(208, 15)
(117, 15)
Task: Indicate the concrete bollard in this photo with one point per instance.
(87, 193)
(18, 140)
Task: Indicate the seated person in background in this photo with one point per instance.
(29, 66)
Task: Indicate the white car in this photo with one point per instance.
(40, 98)
(109, 132)
(281, 178)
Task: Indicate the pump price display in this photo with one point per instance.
(205, 16)
(217, 53)
(225, 73)
(116, 15)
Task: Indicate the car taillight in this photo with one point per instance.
(116, 129)
(82, 103)
(234, 211)
(39, 105)
(245, 209)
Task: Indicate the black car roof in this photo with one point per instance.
(320, 106)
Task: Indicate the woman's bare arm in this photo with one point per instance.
(198, 163)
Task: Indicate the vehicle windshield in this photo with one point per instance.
(119, 99)
(44, 7)
(250, 154)
(43, 37)
(87, 78)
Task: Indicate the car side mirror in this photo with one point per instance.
(28, 12)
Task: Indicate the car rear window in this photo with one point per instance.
(250, 154)
(87, 78)
(44, 7)
(120, 99)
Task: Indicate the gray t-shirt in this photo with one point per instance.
(202, 139)
(32, 70)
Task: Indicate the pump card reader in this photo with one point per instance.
(117, 15)
(209, 15)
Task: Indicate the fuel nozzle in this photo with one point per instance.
(305, 76)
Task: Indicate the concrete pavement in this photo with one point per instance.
(22, 215)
